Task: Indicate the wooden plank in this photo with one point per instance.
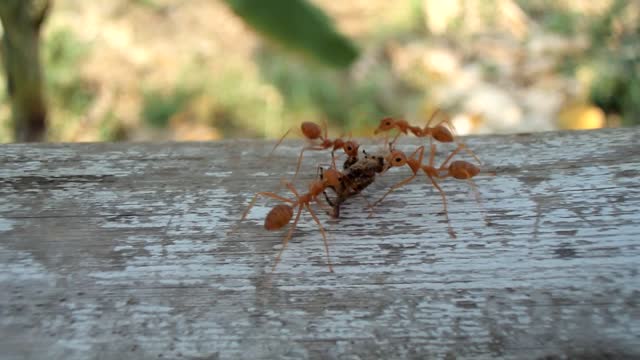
(112, 249)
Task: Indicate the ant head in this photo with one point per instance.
(396, 158)
(386, 124)
(311, 130)
(351, 148)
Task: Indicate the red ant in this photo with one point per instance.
(280, 215)
(439, 132)
(312, 131)
(458, 169)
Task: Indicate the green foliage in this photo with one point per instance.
(331, 94)
(111, 130)
(616, 88)
(298, 25)
(615, 59)
(158, 107)
(149, 3)
(63, 53)
(561, 22)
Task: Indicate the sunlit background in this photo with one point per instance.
(155, 70)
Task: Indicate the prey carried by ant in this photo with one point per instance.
(357, 176)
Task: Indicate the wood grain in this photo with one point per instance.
(121, 251)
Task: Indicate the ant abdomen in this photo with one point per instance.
(442, 134)
(311, 130)
(278, 217)
(463, 170)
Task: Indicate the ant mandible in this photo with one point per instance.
(281, 215)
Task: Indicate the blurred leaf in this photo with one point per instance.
(158, 108)
(63, 54)
(298, 25)
(561, 22)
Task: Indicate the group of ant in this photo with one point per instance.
(358, 172)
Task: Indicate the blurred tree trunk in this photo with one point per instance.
(21, 21)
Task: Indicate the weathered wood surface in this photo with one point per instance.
(120, 251)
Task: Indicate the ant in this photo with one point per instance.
(312, 131)
(458, 169)
(281, 215)
(439, 132)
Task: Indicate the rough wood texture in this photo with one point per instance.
(120, 251)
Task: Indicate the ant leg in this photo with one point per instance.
(327, 198)
(299, 163)
(442, 194)
(282, 139)
(385, 140)
(325, 126)
(453, 153)
(287, 238)
(292, 189)
(461, 146)
(476, 192)
(335, 207)
(447, 120)
(444, 204)
(333, 159)
(279, 142)
(323, 205)
(324, 236)
(394, 187)
(419, 150)
(433, 116)
(473, 155)
(473, 186)
(368, 204)
(432, 153)
(300, 159)
(263, 193)
(394, 139)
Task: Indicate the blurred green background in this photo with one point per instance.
(204, 69)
